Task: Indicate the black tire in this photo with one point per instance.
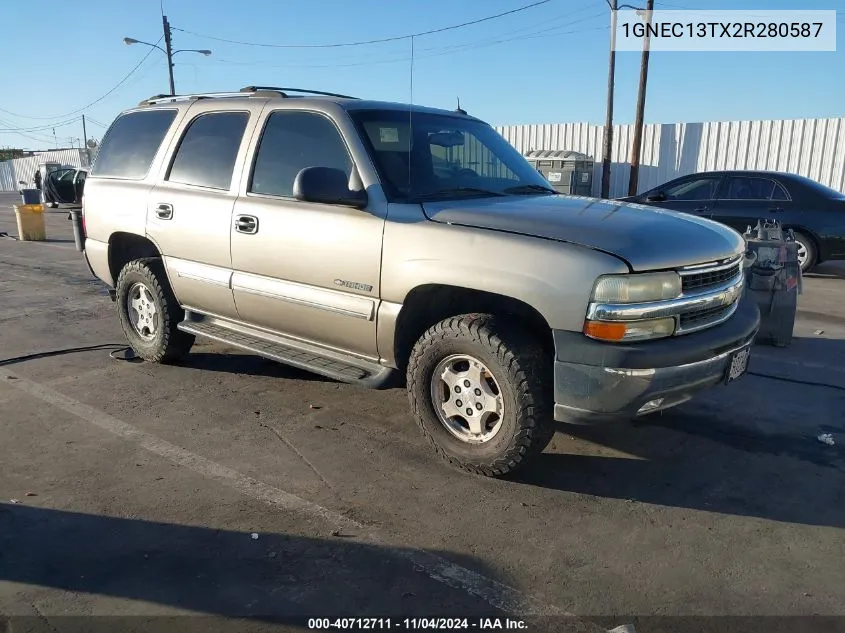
(523, 373)
(812, 253)
(167, 344)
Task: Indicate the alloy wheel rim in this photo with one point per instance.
(142, 311)
(467, 399)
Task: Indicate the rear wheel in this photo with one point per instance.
(480, 389)
(807, 255)
(149, 313)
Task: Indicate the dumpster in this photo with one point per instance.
(30, 219)
(567, 171)
(774, 280)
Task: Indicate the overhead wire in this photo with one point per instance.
(435, 51)
(95, 101)
(382, 40)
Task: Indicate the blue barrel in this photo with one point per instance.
(31, 196)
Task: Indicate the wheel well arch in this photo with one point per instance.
(429, 304)
(126, 247)
(810, 235)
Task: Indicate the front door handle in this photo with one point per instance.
(164, 211)
(703, 209)
(776, 210)
(246, 224)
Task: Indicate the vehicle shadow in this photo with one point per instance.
(248, 365)
(748, 450)
(828, 270)
(277, 578)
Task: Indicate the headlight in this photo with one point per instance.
(637, 288)
(625, 331)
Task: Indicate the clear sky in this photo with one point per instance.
(547, 64)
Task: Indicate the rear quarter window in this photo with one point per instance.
(130, 145)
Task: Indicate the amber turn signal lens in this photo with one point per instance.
(605, 331)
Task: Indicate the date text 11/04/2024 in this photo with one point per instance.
(415, 624)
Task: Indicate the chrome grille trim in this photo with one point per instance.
(725, 295)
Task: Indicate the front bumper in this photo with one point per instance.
(598, 382)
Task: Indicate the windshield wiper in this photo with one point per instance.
(457, 191)
(529, 189)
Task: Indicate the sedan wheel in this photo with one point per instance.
(806, 252)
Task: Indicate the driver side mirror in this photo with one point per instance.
(656, 196)
(326, 185)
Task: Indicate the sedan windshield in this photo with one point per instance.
(424, 156)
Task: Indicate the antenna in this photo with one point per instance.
(459, 110)
(411, 119)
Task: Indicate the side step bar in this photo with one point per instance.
(335, 365)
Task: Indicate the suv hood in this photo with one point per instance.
(647, 238)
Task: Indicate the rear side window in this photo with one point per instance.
(207, 152)
(750, 188)
(130, 145)
(291, 142)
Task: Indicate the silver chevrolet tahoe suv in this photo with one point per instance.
(374, 242)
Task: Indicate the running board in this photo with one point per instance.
(336, 365)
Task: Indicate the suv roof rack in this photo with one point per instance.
(248, 91)
(200, 95)
(283, 91)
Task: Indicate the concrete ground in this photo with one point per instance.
(139, 490)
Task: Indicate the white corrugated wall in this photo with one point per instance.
(12, 171)
(811, 147)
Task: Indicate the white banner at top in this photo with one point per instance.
(726, 30)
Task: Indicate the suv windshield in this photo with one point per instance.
(427, 156)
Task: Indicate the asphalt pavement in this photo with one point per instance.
(233, 486)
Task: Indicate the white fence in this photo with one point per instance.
(811, 147)
(13, 171)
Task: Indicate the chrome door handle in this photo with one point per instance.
(164, 211)
(246, 224)
(701, 209)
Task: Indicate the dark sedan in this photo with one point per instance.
(815, 213)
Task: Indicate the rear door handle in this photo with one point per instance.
(701, 209)
(164, 211)
(776, 210)
(246, 224)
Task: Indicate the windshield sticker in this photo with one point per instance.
(388, 134)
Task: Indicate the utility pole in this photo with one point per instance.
(85, 141)
(169, 50)
(608, 125)
(638, 123)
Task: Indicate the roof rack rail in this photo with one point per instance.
(200, 95)
(282, 91)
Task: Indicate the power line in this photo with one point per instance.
(375, 41)
(37, 128)
(96, 101)
(435, 51)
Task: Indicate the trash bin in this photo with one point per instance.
(30, 219)
(567, 171)
(774, 280)
(75, 216)
(31, 196)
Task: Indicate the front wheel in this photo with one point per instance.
(149, 313)
(480, 389)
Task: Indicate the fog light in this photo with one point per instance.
(651, 405)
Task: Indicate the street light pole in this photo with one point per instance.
(168, 52)
(608, 125)
(636, 145)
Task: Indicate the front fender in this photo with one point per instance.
(554, 278)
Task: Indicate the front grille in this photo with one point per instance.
(696, 282)
(697, 318)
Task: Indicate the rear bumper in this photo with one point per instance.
(598, 382)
